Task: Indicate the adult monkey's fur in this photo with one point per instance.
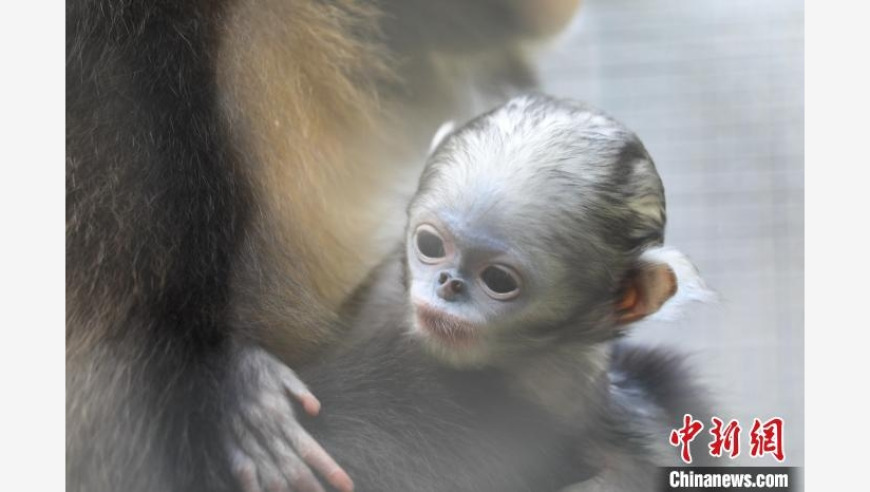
(225, 166)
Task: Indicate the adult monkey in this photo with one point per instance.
(225, 166)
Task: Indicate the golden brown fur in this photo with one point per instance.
(320, 104)
(302, 97)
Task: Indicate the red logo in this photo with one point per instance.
(764, 437)
(684, 436)
(725, 439)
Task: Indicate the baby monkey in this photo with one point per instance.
(533, 241)
(539, 222)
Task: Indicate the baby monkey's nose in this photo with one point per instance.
(449, 287)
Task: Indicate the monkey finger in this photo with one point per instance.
(300, 391)
(260, 470)
(272, 479)
(298, 474)
(253, 464)
(244, 470)
(315, 456)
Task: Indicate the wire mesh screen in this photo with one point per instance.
(715, 91)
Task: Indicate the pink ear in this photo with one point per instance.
(646, 291)
(690, 286)
(665, 281)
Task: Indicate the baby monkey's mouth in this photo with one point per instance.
(445, 327)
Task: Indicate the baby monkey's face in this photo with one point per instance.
(471, 289)
(523, 230)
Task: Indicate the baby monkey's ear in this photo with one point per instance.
(661, 285)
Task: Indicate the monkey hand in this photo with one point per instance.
(269, 450)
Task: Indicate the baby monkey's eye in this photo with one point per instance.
(430, 246)
(500, 282)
